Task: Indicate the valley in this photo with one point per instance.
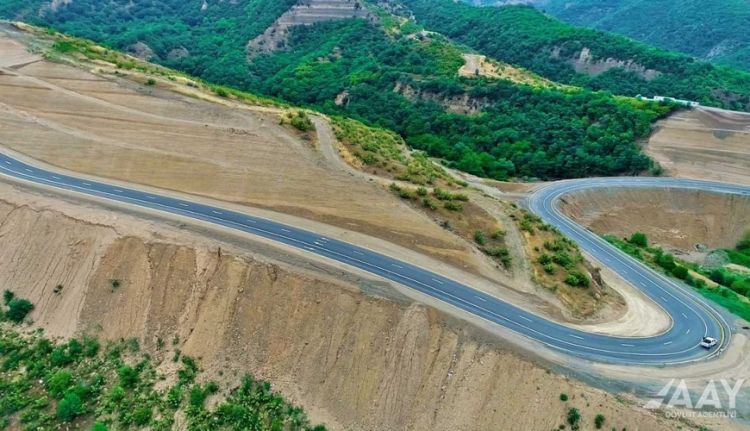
(366, 229)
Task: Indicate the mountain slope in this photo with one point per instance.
(593, 59)
(717, 32)
(385, 71)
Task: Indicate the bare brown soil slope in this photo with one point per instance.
(353, 361)
(704, 144)
(112, 127)
(679, 219)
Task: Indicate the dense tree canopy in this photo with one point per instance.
(522, 35)
(386, 74)
(717, 33)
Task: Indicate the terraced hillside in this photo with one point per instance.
(306, 12)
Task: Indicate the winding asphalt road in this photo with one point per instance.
(692, 316)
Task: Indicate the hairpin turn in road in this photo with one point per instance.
(692, 317)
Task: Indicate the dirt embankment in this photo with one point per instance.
(705, 144)
(353, 361)
(685, 220)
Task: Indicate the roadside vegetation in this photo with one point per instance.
(384, 153)
(453, 210)
(558, 265)
(299, 120)
(724, 285)
(81, 384)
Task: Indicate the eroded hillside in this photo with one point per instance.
(686, 220)
(351, 359)
(704, 144)
(305, 12)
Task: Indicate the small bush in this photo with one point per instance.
(563, 259)
(453, 206)
(544, 259)
(59, 383)
(665, 260)
(421, 191)
(8, 296)
(680, 272)
(142, 416)
(69, 407)
(479, 237)
(527, 225)
(151, 82)
(577, 279)
(441, 194)
(498, 234)
(563, 397)
(574, 418)
(301, 121)
(18, 309)
(128, 376)
(90, 347)
(599, 421)
(406, 194)
(429, 203)
(639, 239)
(549, 268)
(64, 47)
(500, 253)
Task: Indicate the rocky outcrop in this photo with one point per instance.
(586, 63)
(306, 12)
(141, 50)
(459, 104)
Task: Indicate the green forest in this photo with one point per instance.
(717, 33)
(388, 75)
(524, 36)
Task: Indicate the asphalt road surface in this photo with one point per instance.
(692, 317)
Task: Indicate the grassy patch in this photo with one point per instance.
(385, 153)
(730, 289)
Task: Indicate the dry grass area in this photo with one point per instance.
(675, 219)
(704, 144)
(353, 361)
(112, 127)
(480, 65)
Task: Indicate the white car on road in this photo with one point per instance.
(708, 342)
